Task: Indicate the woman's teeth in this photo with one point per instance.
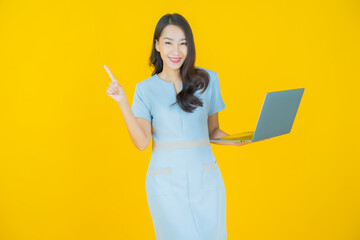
(175, 60)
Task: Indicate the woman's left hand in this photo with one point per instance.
(244, 143)
(241, 143)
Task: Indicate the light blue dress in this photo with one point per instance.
(184, 186)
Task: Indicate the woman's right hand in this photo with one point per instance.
(115, 90)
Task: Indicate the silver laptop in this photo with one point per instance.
(276, 117)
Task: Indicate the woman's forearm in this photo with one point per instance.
(217, 133)
(137, 134)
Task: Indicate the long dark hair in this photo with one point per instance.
(192, 79)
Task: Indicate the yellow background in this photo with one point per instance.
(68, 169)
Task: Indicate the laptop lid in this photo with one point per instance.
(277, 113)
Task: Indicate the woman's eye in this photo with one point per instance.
(170, 43)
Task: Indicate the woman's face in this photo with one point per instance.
(172, 47)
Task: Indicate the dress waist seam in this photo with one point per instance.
(193, 143)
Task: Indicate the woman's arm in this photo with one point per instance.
(139, 128)
(216, 132)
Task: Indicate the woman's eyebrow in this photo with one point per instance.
(173, 39)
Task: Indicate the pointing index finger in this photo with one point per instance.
(110, 74)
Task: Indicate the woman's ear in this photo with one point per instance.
(157, 45)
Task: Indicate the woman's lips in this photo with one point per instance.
(175, 60)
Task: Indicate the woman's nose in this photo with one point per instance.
(176, 50)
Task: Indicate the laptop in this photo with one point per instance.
(276, 117)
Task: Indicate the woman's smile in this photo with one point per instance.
(175, 60)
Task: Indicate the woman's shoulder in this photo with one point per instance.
(150, 84)
(146, 83)
(213, 76)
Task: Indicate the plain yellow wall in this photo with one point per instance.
(68, 169)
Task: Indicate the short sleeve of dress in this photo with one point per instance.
(139, 106)
(216, 101)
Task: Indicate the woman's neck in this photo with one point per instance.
(170, 76)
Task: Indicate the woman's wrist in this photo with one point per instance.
(241, 143)
(123, 101)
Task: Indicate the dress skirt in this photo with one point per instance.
(185, 191)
